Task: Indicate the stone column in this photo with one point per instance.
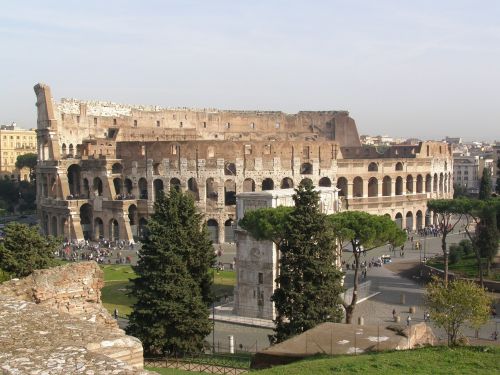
(349, 189)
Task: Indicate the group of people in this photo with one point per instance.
(102, 251)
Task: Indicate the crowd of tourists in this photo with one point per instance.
(102, 251)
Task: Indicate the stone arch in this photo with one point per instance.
(268, 184)
(71, 150)
(230, 169)
(143, 188)
(212, 190)
(441, 183)
(428, 216)
(229, 231)
(86, 188)
(98, 228)
(420, 184)
(117, 168)
(306, 182)
(287, 183)
(399, 166)
(435, 187)
(64, 149)
(373, 187)
(114, 230)
(97, 187)
(213, 230)
(175, 183)
(306, 168)
(156, 169)
(342, 186)
(118, 184)
(53, 226)
(158, 188)
(79, 151)
(428, 183)
(409, 184)
(357, 187)
(248, 185)
(409, 220)
(372, 167)
(86, 220)
(419, 219)
(229, 193)
(399, 185)
(128, 186)
(325, 182)
(74, 174)
(132, 214)
(398, 219)
(193, 188)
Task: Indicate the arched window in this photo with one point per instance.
(86, 219)
(387, 186)
(409, 220)
(230, 169)
(117, 168)
(287, 183)
(143, 188)
(268, 184)
(248, 185)
(325, 182)
(157, 188)
(70, 151)
(212, 190)
(428, 183)
(357, 187)
(306, 182)
(193, 189)
(229, 231)
(306, 168)
(372, 167)
(342, 186)
(419, 218)
(399, 166)
(114, 231)
(409, 184)
(128, 186)
(98, 228)
(97, 187)
(63, 149)
(117, 182)
(213, 230)
(175, 183)
(399, 185)
(229, 193)
(420, 184)
(74, 172)
(372, 187)
(398, 219)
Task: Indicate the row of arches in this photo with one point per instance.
(71, 151)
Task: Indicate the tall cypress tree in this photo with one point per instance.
(173, 284)
(309, 281)
(485, 186)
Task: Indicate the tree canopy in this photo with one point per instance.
(267, 224)
(173, 286)
(28, 160)
(25, 250)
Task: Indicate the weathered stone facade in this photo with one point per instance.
(102, 164)
(52, 322)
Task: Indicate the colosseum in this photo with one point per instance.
(102, 164)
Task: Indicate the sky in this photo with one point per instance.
(425, 69)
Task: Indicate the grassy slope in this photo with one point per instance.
(467, 266)
(437, 360)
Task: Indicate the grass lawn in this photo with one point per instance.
(117, 277)
(436, 360)
(467, 266)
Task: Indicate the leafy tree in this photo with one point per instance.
(364, 232)
(487, 234)
(172, 288)
(459, 191)
(28, 160)
(267, 224)
(458, 304)
(485, 186)
(309, 281)
(9, 194)
(449, 215)
(25, 250)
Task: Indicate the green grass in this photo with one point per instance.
(467, 266)
(436, 360)
(117, 278)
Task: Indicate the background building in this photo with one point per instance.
(496, 166)
(15, 141)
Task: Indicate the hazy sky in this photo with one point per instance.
(402, 68)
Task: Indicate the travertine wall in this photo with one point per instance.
(53, 322)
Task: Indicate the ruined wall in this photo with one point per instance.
(53, 321)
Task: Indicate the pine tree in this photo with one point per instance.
(309, 282)
(173, 285)
(485, 187)
(487, 235)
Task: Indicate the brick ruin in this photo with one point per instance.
(102, 164)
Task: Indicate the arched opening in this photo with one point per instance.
(441, 183)
(357, 187)
(229, 193)
(78, 151)
(117, 182)
(98, 228)
(133, 218)
(373, 187)
(86, 220)
(193, 189)
(409, 220)
(409, 184)
(229, 231)
(419, 218)
(128, 186)
(175, 183)
(342, 186)
(399, 185)
(64, 150)
(427, 218)
(325, 182)
(306, 182)
(143, 188)
(53, 226)
(435, 187)
(97, 187)
(372, 167)
(428, 183)
(287, 183)
(399, 166)
(399, 220)
(212, 187)
(248, 185)
(70, 151)
(420, 184)
(268, 184)
(143, 227)
(306, 168)
(230, 169)
(63, 228)
(74, 172)
(213, 230)
(156, 169)
(114, 230)
(117, 168)
(53, 187)
(157, 188)
(86, 188)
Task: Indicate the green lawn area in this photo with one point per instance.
(116, 279)
(467, 266)
(436, 360)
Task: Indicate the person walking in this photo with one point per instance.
(408, 320)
